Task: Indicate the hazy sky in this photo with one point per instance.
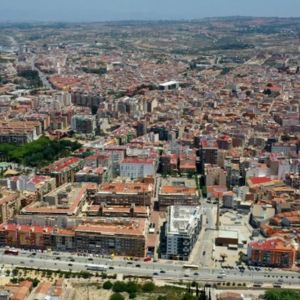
(101, 10)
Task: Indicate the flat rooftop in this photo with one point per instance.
(131, 227)
(123, 188)
(70, 196)
(183, 219)
(228, 234)
(178, 182)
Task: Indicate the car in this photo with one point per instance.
(203, 253)
(129, 263)
(72, 259)
(90, 258)
(57, 257)
(111, 267)
(196, 273)
(22, 262)
(138, 265)
(162, 271)
(70, 265)
(186, 275)
(155, 273)
(257, 284)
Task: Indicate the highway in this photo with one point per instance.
(170, 270)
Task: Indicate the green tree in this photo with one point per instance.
(132, 295)
(188, 296)
(107, 285)
(119, 287)
(14, 280)
(131, 287)
(161, 297)
(148, 287)
(85, 274)
(277, 294)
(116, 296)
(35, 282)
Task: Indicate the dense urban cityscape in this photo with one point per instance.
(150, 159)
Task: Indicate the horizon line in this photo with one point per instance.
(143, 20)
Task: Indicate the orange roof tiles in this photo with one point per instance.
(170, 189)
(120, 187)
(135, 227)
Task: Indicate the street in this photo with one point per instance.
(175, 271)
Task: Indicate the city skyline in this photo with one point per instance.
(92, 10)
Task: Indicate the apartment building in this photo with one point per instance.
(113, 236)
(177, 191)
(10, 203)
(214, 175)
(87, 174)
(32, 183)
(180, 231)
(66, 200)
(272, 252)
(137, 167)
(126, 237)
(83, 124)
(63, 170)
(125, 193)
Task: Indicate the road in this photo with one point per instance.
(203, 249)
(173, 271)
(42, 76)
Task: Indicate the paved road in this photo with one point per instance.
(42, 76)
(202, 252)
(174, 271)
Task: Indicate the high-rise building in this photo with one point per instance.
(85, 124)
(180, 231)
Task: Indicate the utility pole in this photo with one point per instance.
(218, 214)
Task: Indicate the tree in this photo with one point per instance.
(224, 256)
(148, 287)
(188, 296)
(14, 280)
(277, 294)
(85, 274)
(119, 287)
(132, 295)
(131, 287)
(116, 296)
(107, 285)
(35, 282)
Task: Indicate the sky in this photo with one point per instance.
(106, 10)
